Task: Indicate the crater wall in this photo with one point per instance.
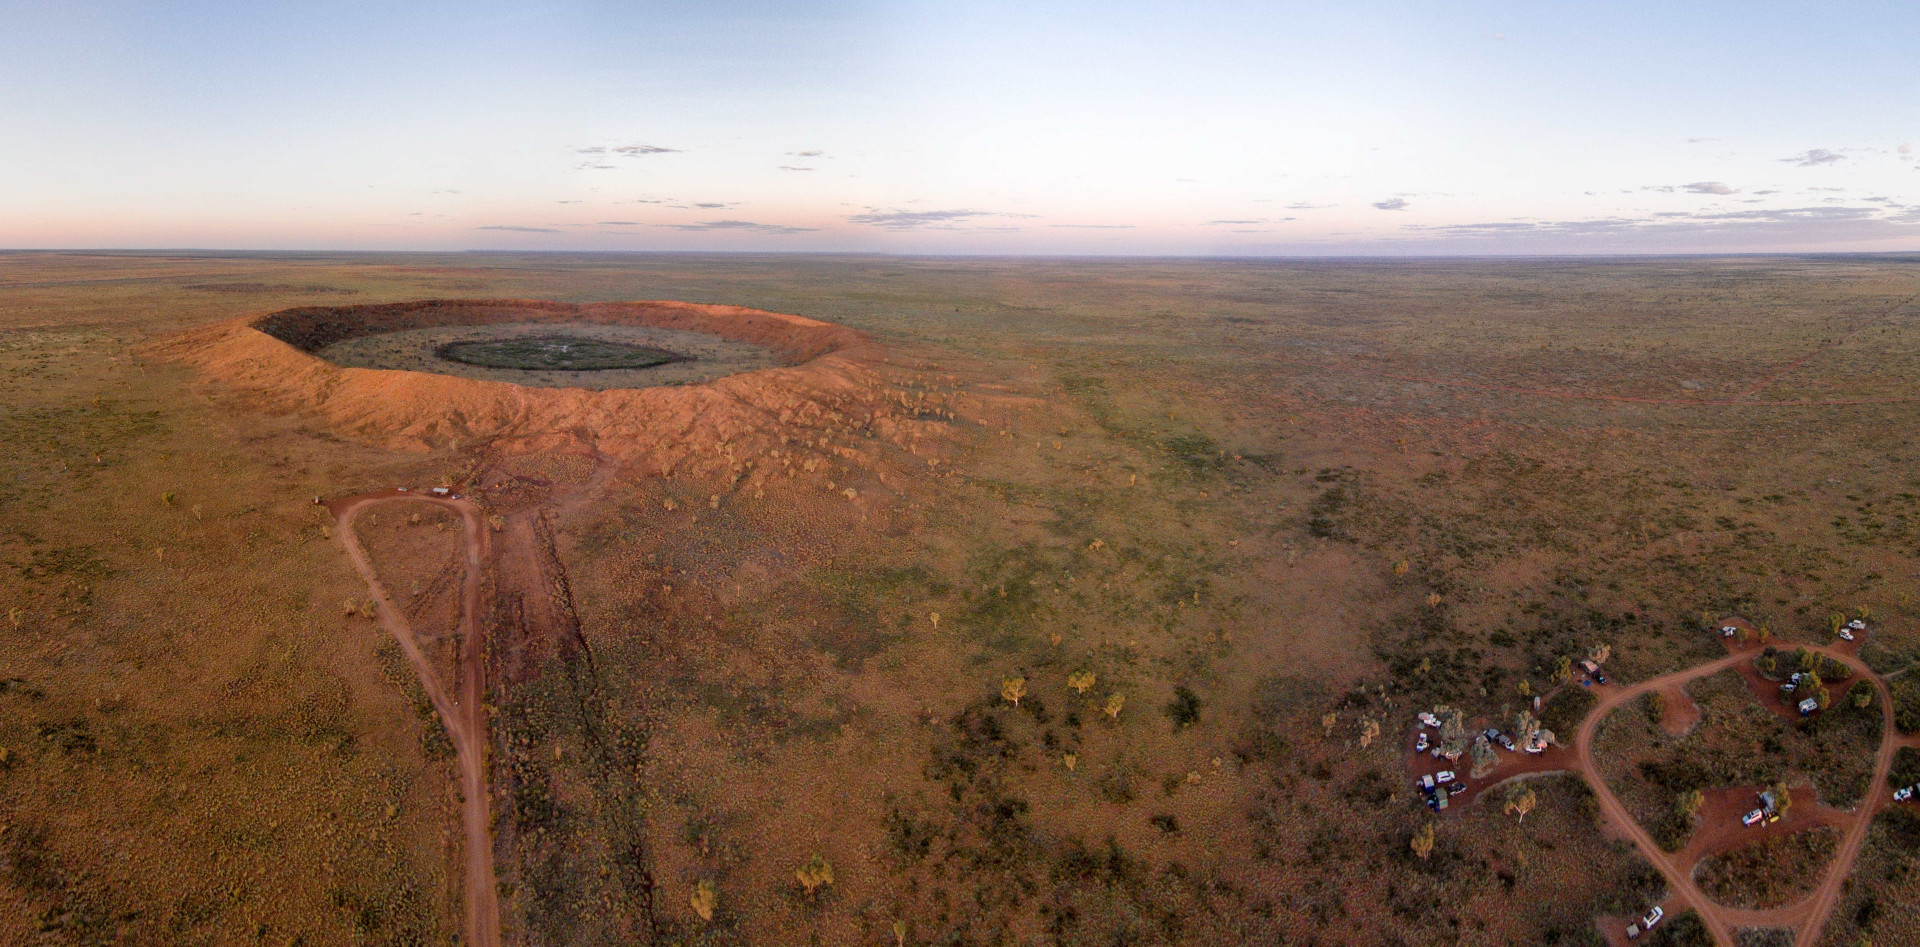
(829, 376)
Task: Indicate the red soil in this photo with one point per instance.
(1679, 714)
(831, 378)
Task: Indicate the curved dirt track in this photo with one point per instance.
(465, 716)
(1809, 916)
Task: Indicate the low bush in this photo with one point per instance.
(1565, 710)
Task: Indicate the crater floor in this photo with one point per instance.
(701, 357)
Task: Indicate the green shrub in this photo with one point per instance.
(1562, 714)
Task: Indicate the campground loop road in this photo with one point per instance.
(465, 717)
(1809, 916)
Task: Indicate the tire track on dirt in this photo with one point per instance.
(465, 718)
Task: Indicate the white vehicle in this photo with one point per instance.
(1429, 720)
(1653, 917)
(1444, 776)
(1903, 794)
(1857, 625)
(1426, 783)
(1846, 635)
(1728, 631)
(440, 491)
(1420, 743)
(1753, 818)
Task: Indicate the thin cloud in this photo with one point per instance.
(1233, 222)
(918, 219)
(518, 229)
(619, 223)
(806, 154)
(713, 206)
(789, 167)
(1391, 203)
(1710, 187)
(1304, 205)
(1815, 158)
(1092, 226)
(744, 225)
(635, 151)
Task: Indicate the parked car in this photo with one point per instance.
(1903, 794)
(1506, 742)
(1728, 631)
(1846, 635)
(1857, 625)
(1420, 742)
(1653, 917)
(1429, 720)
(1753, 818)
(1491, 734)
(1599, 677)
(1444, 776)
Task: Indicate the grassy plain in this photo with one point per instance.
(1246, 496)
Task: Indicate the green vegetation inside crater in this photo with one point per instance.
(563, 353)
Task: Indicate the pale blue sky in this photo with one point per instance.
(981, 127)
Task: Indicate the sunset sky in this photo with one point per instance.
(1502, 126)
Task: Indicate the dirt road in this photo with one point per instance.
(1809, 916)
(464, 717)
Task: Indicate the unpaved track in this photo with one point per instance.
(1809, 917)
(465, 717)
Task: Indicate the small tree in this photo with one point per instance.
(1013, 688)
(1521, 800)
(1656, 706)
(1422, 843)
(1453, 732)
(1525, 724)
(1562, 670)
(1081, 681)
(1834, 621)
(1525, 689)
(1782, 799)
(1327, 720)
(1688, 804)
(1600, 653)
(814, 875)
(1114, 704)
(1484, 759)
(705, 897)
(1368, 730)
(1766, 664)
(1861, 695)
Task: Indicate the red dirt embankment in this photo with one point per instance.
(830, 377)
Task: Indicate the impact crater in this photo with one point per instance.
(660, 384)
